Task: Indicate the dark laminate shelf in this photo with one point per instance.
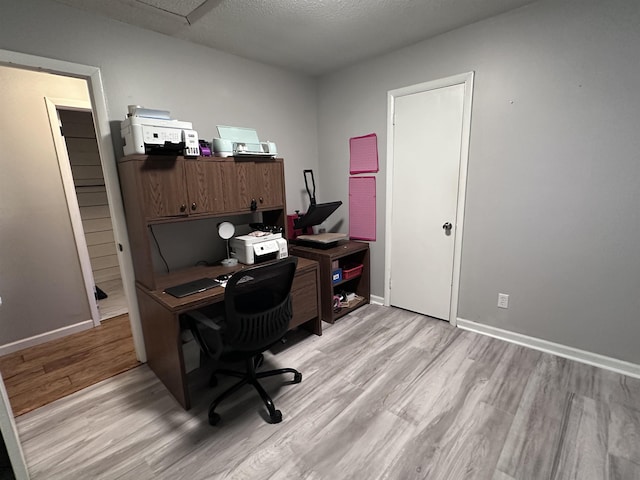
(345, 310)
(350, 252)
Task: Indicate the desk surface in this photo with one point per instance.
(200, 299)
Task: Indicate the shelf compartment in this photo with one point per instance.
(348, 254)
(345, 310)
(352, 271)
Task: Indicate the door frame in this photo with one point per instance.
(9, 432)
(465, 79)
(64, 163)
(93, 77)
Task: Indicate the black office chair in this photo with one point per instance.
(257, 311)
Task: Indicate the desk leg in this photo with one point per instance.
(315, 325)
(161, 329)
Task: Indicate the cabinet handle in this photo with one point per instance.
(183, 207)
(193, 206)
(261, 200)
(254, 205)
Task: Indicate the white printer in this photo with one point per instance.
(258, 247)
(148, 131)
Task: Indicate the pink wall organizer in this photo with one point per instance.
(363, 154)
(362, 208)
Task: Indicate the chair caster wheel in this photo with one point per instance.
(214, 419)
(276, 417)
(297, 377)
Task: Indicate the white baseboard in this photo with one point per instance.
(376, 300)
(45, 337)
(583, 356)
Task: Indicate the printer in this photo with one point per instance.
(148, 131)
(258, 247)
(239, 141)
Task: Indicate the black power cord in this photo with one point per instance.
(158, 246)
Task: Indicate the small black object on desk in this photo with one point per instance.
(189, 288)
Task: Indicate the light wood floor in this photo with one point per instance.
(385, 394)
(116, 303)
(38, 375)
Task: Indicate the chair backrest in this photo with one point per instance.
(258, 305)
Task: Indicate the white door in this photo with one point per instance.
(52, 105)
(427, 147)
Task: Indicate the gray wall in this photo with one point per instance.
(552, 215)
(195, 83)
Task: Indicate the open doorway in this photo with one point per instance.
(25, 168)
(52, 340)
(77, 129)
(45, 298)
(49, 296)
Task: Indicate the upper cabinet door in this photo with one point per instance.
(229, 196)
(269, 184)
(260, 185)
(163, 187)
(204, 187)
(245, 186)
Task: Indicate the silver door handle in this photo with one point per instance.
(447, 226)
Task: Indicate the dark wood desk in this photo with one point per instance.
(160, 314)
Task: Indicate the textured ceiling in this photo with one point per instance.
(312, 37)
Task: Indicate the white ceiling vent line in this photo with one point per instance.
(189, 10)
(181, 7)
(200, 11)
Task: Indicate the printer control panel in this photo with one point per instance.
(161, 134)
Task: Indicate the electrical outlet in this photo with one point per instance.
(503, 300)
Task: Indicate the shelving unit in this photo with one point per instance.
(349, 253)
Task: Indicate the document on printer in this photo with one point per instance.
(259, 233)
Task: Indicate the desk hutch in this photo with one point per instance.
(159, 190)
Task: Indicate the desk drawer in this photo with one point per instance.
(304, 297)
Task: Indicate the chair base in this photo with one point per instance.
(250, 377)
